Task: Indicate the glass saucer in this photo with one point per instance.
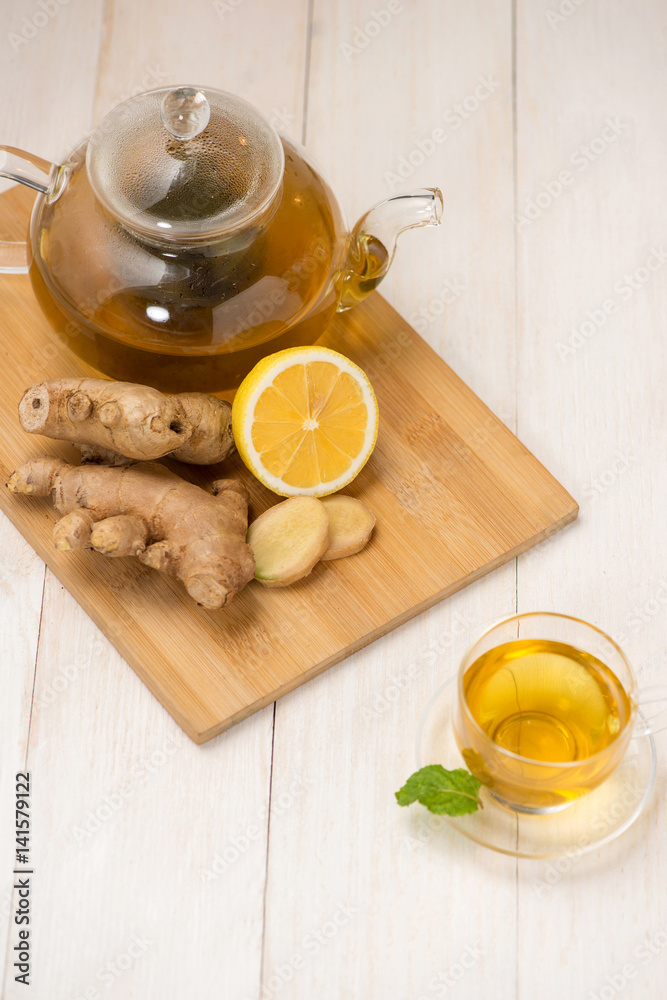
(589, 823)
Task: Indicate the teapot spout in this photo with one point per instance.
(372, 242)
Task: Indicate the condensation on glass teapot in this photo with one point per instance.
(185, 166)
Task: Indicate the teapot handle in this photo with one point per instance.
(13, 258)
(13, 167)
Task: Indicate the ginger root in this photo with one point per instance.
(148, 511)
(106, 419)
(350, 526)
(288, 540)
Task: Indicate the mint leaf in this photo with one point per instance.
(451, 793)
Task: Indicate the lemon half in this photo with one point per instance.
(305, 421)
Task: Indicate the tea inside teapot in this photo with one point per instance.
(186, 240)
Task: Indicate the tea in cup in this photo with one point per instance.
(546, 707)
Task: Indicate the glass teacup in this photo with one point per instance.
(546, 708)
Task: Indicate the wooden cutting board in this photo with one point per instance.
(454, 492)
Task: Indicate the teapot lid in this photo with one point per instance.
(185, 164)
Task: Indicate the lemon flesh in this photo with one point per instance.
(305, 421)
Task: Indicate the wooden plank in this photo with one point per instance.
(455, 494)
(422, 898)
(21, 588)
(143, 871)
(588, 103)
(144, 844)
(35, 46)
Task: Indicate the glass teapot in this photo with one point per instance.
(185, 240)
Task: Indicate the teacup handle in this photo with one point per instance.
(657, 722)
(34, 172)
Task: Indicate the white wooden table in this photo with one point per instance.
(274, 862)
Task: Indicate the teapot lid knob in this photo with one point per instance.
(185, 112)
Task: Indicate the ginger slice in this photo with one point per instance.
(288, 540)
(350, 526)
